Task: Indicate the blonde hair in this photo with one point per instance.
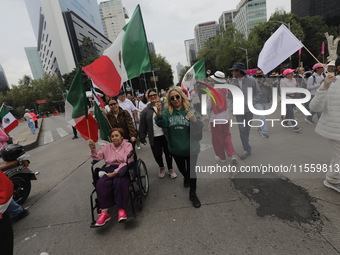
(185, 101)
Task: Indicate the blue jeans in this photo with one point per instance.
(14, 209)
(31, 126)
(244, 129)
(290, 115)
(263, 106)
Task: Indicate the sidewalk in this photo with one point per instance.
(25, 137)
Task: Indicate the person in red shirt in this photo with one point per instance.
(35, 118)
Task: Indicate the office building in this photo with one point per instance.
(3, 80)
(249, 14)
(179, 69)
(113, 16)
(67, 31)
(203, 32)
(190, 51)
(324, 8)
(226, 18)
(34, 62)
(151, 46)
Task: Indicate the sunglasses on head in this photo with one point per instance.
(173, 98)
(112, 104)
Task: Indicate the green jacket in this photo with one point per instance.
(180, 142)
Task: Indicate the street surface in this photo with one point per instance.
(238, 215)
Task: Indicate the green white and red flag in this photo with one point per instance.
(195, 73)
(126, 58)
(9, 122)
(76, 110)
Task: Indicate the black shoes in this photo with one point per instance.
(24, 213)
(186, 183)
(74, 137)
(245, 155)
(194, 199)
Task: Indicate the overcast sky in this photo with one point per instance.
(167, 24)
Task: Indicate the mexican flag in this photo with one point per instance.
(126, 58)
(103, 124)
(76, 111)
(9, 122)
(195, 73)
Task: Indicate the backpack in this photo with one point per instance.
(217, 107)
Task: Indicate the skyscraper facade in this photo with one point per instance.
(190, 51)
(113, 16)
(325, 8)
(67, 31)
(249, 14)
(226, 18)
(203, 32)
(34, 62)
(3, 80)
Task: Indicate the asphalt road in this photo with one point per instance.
(238, 216)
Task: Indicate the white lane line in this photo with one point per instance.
(48, 138)
(62, 132)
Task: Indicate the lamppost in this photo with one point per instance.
(287, 25)
(246, 50)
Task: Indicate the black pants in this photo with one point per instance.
(159, 146)
(186, 165)
(6, 235)
(74, 131)
(36, 123)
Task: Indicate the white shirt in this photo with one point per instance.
(157, 131)
(129, 106)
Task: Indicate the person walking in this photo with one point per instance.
(244, 82)
(220, 133)
(313, 83)
(35, 118)
(183, 145)
(264, 101)
(327, 101)
(29, 119)
(289, 82)
(156, 135)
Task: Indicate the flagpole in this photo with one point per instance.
(88, 127)
(311, 54)
(2, 106)
(154, 79)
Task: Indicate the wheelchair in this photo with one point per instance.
(138, 187)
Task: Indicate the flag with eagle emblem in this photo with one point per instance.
(9, 122)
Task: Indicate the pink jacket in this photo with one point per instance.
(3, 138)
(114, 155)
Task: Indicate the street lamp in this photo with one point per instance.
(246, 50)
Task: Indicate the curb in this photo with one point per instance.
(35, 144)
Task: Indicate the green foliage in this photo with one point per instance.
(165, 76)
(25, 94)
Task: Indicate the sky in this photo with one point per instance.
(167, 23)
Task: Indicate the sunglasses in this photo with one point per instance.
(173, 98)
(153, 95)
(112, 104)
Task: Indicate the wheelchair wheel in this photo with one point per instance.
(143, 178)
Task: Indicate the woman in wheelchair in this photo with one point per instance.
(112, 188)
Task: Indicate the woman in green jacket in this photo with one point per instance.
(178, 120)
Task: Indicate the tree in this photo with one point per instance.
(165, 76)
(88, 48)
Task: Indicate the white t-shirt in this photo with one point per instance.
(157, 131)
(129, 106)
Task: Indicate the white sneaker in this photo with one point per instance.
(172, 174)
(332, 185)
(161, 172)
(217, 158)
(138, 147)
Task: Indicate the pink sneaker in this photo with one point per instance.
(102, 219)
(161, 172)
(172, 174)
(122, 215)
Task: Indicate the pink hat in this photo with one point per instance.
(287, 71)
(317, 65)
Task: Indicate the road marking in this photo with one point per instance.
(62, 132)
(69, 127)
(48, 138)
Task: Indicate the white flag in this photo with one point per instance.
(281, 45)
